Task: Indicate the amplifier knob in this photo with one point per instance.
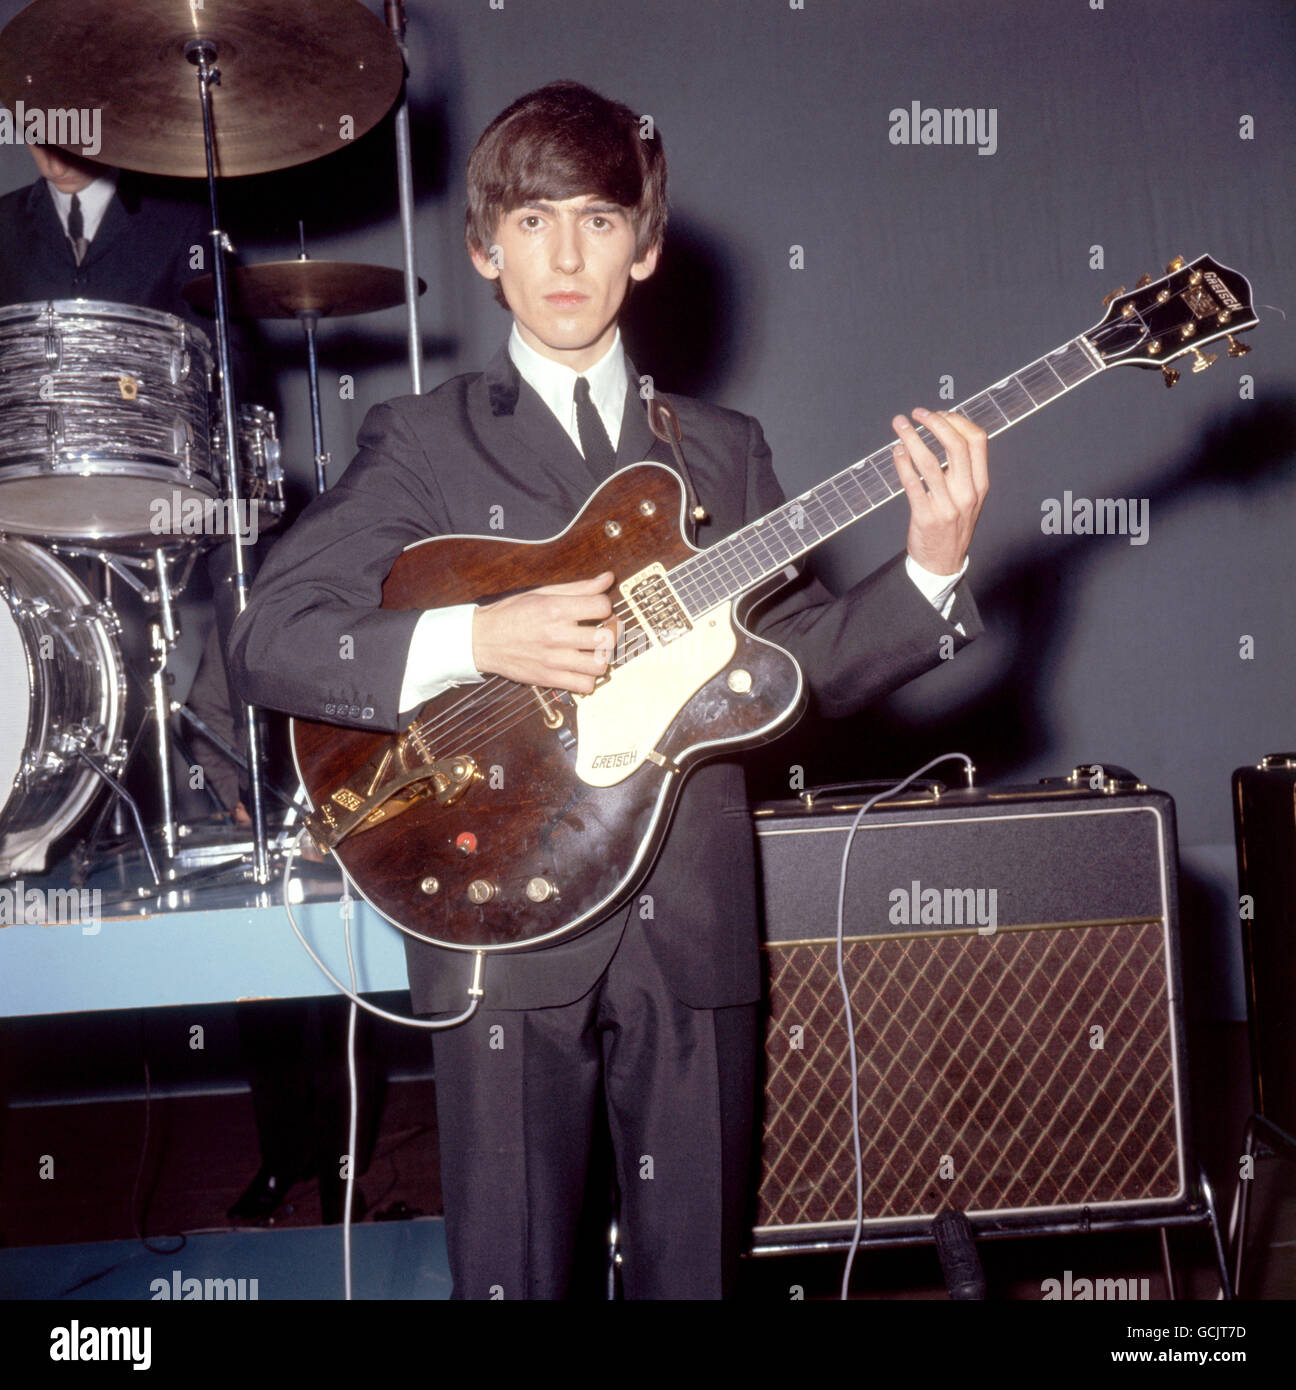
(480, 891)
(540, 890)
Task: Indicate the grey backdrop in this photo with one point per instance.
(1118, 126)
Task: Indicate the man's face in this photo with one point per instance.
(67, 172)
(564, 267)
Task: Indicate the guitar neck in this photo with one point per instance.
(762, 548)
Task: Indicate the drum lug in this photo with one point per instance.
(54, 428)
(180, 365)
(53, 348)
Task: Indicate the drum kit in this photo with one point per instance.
(119, 424)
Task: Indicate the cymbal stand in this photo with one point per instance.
(309, 318)
(394, 12)
(202, 54)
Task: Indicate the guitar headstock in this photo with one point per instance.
(1193, 304)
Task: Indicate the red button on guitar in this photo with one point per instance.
(466, 843)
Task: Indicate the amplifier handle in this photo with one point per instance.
(926, 786)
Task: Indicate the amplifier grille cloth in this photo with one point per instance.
(977, 1047)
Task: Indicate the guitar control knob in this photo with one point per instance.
(480, 891)
(430, 885)
(540, 890)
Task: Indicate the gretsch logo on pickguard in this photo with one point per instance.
(615, 759)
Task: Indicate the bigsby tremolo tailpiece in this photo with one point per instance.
(393, 780)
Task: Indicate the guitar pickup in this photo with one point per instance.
(392, 781)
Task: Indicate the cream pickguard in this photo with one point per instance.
(618, 726)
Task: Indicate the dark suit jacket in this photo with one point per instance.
(439, 463)
(140, 253)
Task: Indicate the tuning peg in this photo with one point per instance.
(1176, 264)
(1236, 349)
(1144, 279)
(1107, 299)
(1204, 359)
(1171, 376)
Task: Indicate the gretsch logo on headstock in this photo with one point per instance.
(1228, 300)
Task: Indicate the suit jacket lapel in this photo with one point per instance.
(114, 224)
(48, 239)
(637, 441)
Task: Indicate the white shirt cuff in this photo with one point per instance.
(937, 589)
(440, 654)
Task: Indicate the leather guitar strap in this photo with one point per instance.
(664, 423)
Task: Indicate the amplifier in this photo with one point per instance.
(1264, 819)
(1013, 965)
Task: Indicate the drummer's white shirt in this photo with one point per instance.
(94, 197)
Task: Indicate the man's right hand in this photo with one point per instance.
(545, 636)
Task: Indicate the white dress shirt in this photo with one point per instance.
(94, 199)
(440, 651)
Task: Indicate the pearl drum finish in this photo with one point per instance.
(105, 412)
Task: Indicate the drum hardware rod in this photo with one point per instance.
(161, 676)
(395, 15)
(125, 796)
(202, 54)
(308, 321)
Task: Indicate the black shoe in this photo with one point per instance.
(264, 1196)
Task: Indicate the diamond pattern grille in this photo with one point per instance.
(978, 1048)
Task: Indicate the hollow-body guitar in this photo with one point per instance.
(508, 816)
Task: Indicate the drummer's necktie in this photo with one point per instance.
(76, 230)
(595, 444)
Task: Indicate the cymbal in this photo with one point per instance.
(284, 289)
(298, 78)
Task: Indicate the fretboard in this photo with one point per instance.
(764, 547)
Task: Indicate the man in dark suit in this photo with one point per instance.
(648, 1022)
(87, 231)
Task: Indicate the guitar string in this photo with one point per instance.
(498, 689)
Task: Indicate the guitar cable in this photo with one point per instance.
(475, 990)
(845, 991)
(475, 993)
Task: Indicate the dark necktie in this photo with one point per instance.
(595, 444)
(76, 230)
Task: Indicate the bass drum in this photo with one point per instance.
(62, 691)
(105, 422)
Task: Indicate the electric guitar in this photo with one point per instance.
(508, 816)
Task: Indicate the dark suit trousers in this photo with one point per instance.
(518, 1096)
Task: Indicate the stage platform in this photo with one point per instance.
(210, 936)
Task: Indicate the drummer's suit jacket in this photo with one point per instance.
(142, 253)
(440, 463)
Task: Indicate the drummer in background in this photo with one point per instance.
(78, 233)
(88, 231)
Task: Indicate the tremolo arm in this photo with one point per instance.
(392, 781)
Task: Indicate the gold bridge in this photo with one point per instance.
(392, 781)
